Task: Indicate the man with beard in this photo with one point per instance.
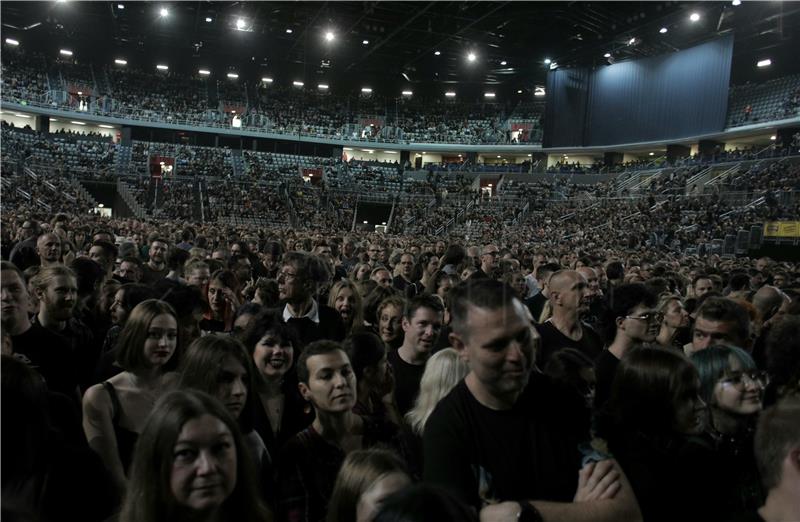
(565, 329)
(422, 323)
(57, 344)
(156, 266)
(505, 439)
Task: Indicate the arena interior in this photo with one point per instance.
(400, 261)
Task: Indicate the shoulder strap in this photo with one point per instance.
(115, 405)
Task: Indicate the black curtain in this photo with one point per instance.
(565, 109)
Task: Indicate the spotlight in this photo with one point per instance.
(764, 63)
(737, 2)
(11, 41)
(239, 24)
(329, 36)
(547, 61)
(607, 55)
(471, 57)
(488, 95)
(208, 19)
(164, 12)
(65, 52)
(120, 62)
(162, 67)
(365, 42)
(503, 62)
(437, 53)
(663, 30)
(450, 94)
(289, 31)
(204, 72)
(694, 17)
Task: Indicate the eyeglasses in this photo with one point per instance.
(737, 380)
(652, 317)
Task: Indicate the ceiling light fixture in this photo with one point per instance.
(471, 57)
(298, 84)
(365, 42)
(204, 72)
(547, 61)
(164, 12)
(694, 17)
(78, 122)
(104, 126)
(322, 87)
(764, 63)
(208, 19)
(407, 93)
(65, 52)
(240, 23)
(289, 31)
(737, 2)
(119, 61)
(488, 95)
(366, 90)
(503, 62)
(450, 94)
(329, 36)
(663, 30)
(11, 41)
(162, 67)
(120, 6)
(232, 76)
(519, 91)
(607, 55)
(437, 53)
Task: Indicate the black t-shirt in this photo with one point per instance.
(529, 452)
(52, 356)
(406, 381)
(605, 367)
(553, 340)
(536, 304)
(150, 276)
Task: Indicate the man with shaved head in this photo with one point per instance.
(568, 301)
(489, 256)
(48, 246)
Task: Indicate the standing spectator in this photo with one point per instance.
(156, 266)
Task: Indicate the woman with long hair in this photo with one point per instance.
(675, 323)
(653, 410)
(279, 410)
(374, 397)
(426, 267)
(365, 479)
(346, 300)
(115, 411)
(223, 300)
(191, 464)
(733, 388)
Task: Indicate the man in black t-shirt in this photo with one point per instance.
(568, 300)
(422, 323)
(505, 440)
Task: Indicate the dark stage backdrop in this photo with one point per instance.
(664, 97)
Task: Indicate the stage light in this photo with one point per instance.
(737, 2)
(164, 12)
(322, 87)
(240, 23)
(65, 52)
(208, 19)
(764, 63)
(437, 53)
(632, 41)
(266, 80)
(120, 6)
(503, 62)
(553, 66)
(488, 95)
(407, 93)
(364, 42)
(120, 62)
(471, 57)
(289, 31)
(11, 41)
(366, 90)
(297, 84)
(329, 36)
(162, 67)
(450, 94)
(539, 91)
(663, 30)
(519, 91)
(773, 137)
(232, 76)
(204, 72)
(547, 61)
(694, 17)
(607, 55)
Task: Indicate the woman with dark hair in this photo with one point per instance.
(125, 299)
(653, 409)
(279, 410)
(191, 464)
(220, 366)
(733, 388)
(427, 265)
(367, 353)
(223, 301)
(632, 320)
(453, 257)
(365, 479)
(114, 411)
(441, 283)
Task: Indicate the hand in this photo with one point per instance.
(598, 481)
(502, 512)
(230, 296)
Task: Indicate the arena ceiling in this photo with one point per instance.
(510, 39)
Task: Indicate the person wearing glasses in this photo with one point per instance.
(733, 389)
(633, 320)
(489, 256)
(299, 280)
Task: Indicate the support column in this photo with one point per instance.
(611, 159)
(675, 152)
(710, 148)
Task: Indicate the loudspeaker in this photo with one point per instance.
(756, 236)
(742, 242)
(728, 246)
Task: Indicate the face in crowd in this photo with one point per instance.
(422, 329)
(331, 383)
(390, 323)
(273, 356)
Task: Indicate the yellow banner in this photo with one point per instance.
(782, 229)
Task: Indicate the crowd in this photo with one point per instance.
(162, 370)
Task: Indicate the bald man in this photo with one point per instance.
(569, 299)
(48, 247)
(489, 255)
